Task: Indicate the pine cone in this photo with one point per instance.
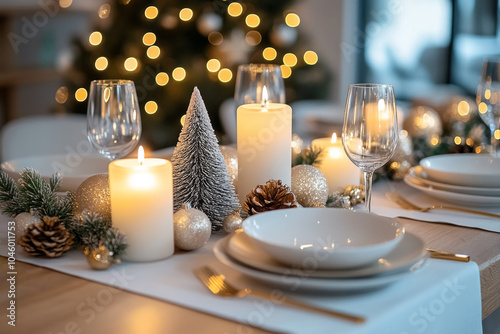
(271, 196)
(48, 237)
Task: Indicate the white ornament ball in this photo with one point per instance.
(192, 228)
(309, 185)
(230, 155)
(23, 220)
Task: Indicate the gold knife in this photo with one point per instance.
(448, 256)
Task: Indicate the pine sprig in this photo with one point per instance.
(310, 156)
(9, 196)
(35, 192)
(91, 230)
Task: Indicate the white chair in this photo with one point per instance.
(45, 135)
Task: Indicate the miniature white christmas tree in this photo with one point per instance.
(200, 175)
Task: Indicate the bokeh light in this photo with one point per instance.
(131, 64)
(213, 65)
(62, 95)
(290, 59)
(235, 9)
(457, 140)
(179, 74)
(253, 37)
(183, 120)
(482, 107)
(215, 38)
(310, 57)
(81, 94)
(225, 75)
(101, 63)
(153, 52)
(252, 20)
(269, 53)
(286, 71)
(151, 12)
(149, 38)
(186, 14)
(151, 107)
(95, 38)
(292, 20)
(463, 108)
(104, 11)
(162, 79)
(65, 3)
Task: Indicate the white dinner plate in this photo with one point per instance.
(418, 175)
(74, 169)
(296, 283)
(456, 198)
(409, 251)
(464, 169)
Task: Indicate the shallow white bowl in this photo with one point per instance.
(472, 170)
(324, 238)
(73, 169)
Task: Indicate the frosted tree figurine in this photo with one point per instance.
(200, 175)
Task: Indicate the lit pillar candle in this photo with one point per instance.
(142, 206)
(338, 170)
(264, 138)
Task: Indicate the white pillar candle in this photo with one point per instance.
(338, 170)
(264, 139)
(142, 206)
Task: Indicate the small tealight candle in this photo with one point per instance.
(338, 170)
(264, 133)
(142, 206)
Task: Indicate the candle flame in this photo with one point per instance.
(265, 97)
(334, 138)
(140, 155)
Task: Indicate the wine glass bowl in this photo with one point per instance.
(370, 130)
(113, 117)
(488, 100)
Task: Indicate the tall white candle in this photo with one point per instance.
(142, 206)
(338, 170)
(264, 133)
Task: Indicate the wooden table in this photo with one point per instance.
(52, 302)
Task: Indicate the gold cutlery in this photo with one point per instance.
(218, 285)
(405, 204)
(448, 256)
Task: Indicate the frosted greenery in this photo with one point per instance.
(200, 175)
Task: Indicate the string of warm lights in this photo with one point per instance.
(213, 65)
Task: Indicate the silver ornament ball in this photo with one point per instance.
(22, 221)
(309, 185)
(192, 228)
(232, 222)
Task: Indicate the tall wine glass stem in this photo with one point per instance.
(493, 141)
(368, 189)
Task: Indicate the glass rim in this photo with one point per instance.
(258, 66)
(369, 85)
(112, 82)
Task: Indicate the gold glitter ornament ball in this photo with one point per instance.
(93, 195)
(309, 185)
(232, 222)
(192, 228)
(100, 258)
(423, 122)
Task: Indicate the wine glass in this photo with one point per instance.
(488, 100)
(253, 78)
(370, 130)
(113, 117)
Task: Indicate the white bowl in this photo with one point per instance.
(472, 170)
(324, 238)
(73, 169)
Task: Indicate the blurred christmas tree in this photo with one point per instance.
(168, 47)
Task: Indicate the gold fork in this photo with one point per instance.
(218, 285)
(405, 204)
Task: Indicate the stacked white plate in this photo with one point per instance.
(351, 255)
(463, 179)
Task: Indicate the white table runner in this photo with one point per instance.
(443, 297)
(384, 207)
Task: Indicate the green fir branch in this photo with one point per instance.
(9, 196)
(309, 156)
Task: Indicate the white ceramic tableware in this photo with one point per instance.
(418, 176)
(295, 283)
(470, 170)
(329, 238)
(407, 253)
(454, 198)
(74, 169)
